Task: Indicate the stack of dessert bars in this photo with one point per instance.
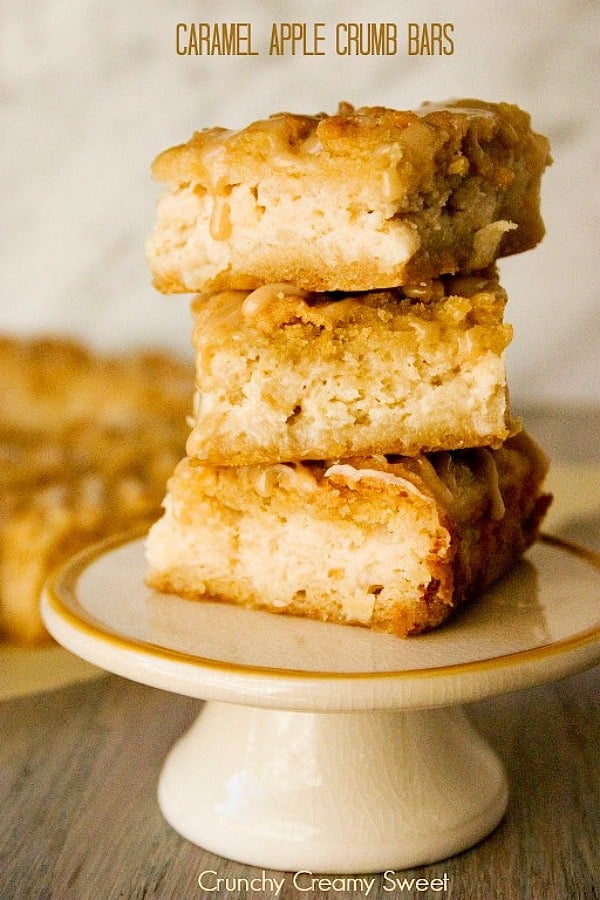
(352, 456)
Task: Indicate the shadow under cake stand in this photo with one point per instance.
(324, 747)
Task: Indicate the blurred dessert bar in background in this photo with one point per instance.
(87, 442)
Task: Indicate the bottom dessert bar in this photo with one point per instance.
(391, 543)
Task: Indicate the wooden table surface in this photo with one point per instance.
(79, 769)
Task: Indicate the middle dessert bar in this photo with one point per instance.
(285, 375)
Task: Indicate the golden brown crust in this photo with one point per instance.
(441, 528)
(87, 443)
(427, 192)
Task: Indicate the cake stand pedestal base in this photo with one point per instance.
(332, 792)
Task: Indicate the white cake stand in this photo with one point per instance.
(324, 747)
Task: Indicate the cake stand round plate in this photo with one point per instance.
(325, 747)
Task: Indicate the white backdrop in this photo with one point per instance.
(91, 91)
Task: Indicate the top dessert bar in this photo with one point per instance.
(366, 199)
